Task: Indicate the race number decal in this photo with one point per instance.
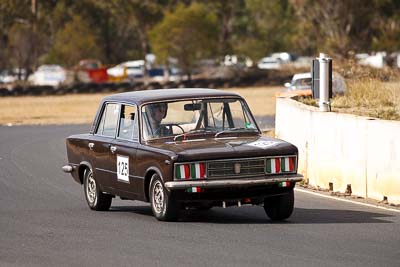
(123, 168)
(263, 144)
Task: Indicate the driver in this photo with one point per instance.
(158, 112)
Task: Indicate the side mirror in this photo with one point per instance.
(287, 85)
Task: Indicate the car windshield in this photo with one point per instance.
(304, 82)
(215, 116)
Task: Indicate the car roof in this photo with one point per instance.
(140, 97)
(133, 63)
(269, 59)
(305, 75)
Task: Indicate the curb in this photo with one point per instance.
(347, 200)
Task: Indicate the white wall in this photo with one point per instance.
(343, 149)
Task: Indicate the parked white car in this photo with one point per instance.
(284, 57)
(300, 81)
(131, 69)
(52, 75)
(376, 60)
(301, 85)
(269, 63)
(10, 76)
(234, 60)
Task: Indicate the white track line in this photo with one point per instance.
(346, 200)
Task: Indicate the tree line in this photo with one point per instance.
(34, 32)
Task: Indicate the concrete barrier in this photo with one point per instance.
(343, 149)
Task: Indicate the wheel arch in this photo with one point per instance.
(147, 179)
(82, 167)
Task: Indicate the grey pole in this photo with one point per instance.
(323, 82)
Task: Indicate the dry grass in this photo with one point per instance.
(370, 92)
(370, 97)
(350, 70)
(77, 109)
(307, 100)
(261, 100)
(64, 109)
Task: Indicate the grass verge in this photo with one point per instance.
(370, 97)
(81, 108)
(366, 97)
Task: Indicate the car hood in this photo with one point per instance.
(223, 148)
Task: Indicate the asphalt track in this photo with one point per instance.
(44, 221)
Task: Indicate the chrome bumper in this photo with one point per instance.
(233, 182)
(67, 168)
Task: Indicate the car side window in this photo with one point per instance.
(128, 128)
(109, 120)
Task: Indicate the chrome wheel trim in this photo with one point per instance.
(158, 197)
(91, 191)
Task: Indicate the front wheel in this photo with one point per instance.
(279, 208)
(95, 199)
(162, 204)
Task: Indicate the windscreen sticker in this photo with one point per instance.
(263, 144)
(123, 168)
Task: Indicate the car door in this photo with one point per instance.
(123, 153)
(101, 146)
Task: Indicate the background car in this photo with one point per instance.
(52, 75)
(269, 63)
(299, 86)
(300, 81)
(276, 60)
(10, 76)
(91, 70)
(128, 69)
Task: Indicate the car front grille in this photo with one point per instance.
(235, 168)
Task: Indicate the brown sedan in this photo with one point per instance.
(182, 148)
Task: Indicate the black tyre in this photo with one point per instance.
(280, 207)
(95, 199)
(162, 204)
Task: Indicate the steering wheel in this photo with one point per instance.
(169, 126)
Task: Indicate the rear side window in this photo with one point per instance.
(109, 120)
(128, 128)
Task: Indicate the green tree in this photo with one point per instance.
(387, 26)
(24, 46)
(23, 32)
(74, 42)
(187, 34)
(335, 27)
(10, 13)
(388, 36)
(267, 28)
(227, 12)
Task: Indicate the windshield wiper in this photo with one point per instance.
(234, 130)
(192, 132)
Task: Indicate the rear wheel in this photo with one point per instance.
(163, 206)
(279, 208)
(95, 199)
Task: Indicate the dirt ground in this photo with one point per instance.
(81, 108)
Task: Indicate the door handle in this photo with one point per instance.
(113, 149)
(91, 145)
